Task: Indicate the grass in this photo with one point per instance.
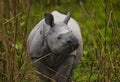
(99, 21)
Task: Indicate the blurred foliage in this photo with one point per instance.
(99, 21)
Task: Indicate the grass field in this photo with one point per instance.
(99, 21)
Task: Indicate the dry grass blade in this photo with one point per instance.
(41, 58)
(52, 80)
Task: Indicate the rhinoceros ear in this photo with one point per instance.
(67, 18)
(49, 19)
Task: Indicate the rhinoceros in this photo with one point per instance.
(55, 47)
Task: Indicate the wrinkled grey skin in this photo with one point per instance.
(59, 36)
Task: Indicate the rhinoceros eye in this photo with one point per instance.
(59, 37)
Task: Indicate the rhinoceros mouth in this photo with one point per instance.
(70, 49)
(64, 51)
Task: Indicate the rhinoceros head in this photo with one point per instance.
(60, 39)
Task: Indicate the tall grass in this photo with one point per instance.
(99, 21)
(14, 18)
(101, 47)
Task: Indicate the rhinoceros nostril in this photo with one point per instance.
(69, 42)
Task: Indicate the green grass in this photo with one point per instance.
(99, 21)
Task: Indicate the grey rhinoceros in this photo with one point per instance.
(55, 47)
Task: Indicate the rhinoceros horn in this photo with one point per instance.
(67, 18)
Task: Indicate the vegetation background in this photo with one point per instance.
(99, 21)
